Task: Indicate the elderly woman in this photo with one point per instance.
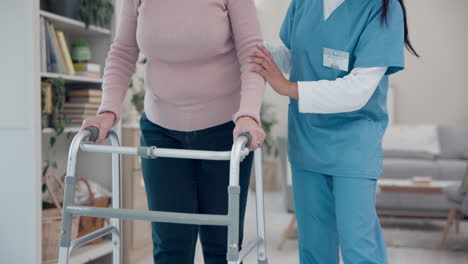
(199, 95)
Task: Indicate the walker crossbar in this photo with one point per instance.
(152, 216)
(231, 220)
(154, 152)
(93, 236)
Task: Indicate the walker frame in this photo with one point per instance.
(231, 220)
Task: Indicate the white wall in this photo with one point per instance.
(431, 89)
(19, 133)
(271, 14)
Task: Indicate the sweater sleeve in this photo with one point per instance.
(121, 61)
(247, 35)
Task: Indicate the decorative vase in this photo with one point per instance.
(68, 8)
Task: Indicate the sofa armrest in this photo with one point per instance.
(464, 206)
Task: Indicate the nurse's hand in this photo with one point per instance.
(247, 124)
(267, 67)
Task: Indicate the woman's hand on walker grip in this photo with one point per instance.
(266, 66)
(103, 122)
(247, 124)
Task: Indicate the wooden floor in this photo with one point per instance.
(277, 221)
(421, 256)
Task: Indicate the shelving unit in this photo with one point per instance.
(73, 129)
(25, 144)
(74, 26)
(94, 167)
(70, 78)
(99, 39)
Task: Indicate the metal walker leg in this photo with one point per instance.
(116, 199)
(261, 249)
(69, 197)
(231, 220)
(66, 245)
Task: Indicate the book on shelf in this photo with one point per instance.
(44, 57)
(61, 60)
(94, 75)
(53, 59)
(86, 99)
(79, 116)
(87, 69)
(69, 69)
(46, 91)
(80, 112)
(85, 92)
(86, 106)
(55, 54)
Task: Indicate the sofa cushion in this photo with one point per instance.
(419, 138)
(402, 154)
(453, 141)
(452, 170)
(408, 168)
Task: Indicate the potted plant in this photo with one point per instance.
(58, 121)
(81, 51)
(96, 12)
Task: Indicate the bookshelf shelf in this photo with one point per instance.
(49, 130)
(70, 78)
(74, 26)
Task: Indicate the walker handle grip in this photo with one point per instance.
(94, 133)
(249, 138)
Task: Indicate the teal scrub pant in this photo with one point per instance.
(337, 213)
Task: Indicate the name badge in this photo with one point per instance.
(336, 59)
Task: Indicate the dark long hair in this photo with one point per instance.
(383, 19)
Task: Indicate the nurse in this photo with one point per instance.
(339, 54)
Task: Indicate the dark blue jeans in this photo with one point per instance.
(190, 186)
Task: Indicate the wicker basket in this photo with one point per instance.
(51, 226)
(91, 224)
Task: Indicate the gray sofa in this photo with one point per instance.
(449, 165)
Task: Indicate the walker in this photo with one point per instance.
(231, 220)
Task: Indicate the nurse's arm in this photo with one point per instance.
(281, 55)
(346, 94)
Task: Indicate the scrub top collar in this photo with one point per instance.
(329, 6)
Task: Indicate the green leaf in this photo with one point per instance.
(52, 141)
(45, 169)
(67, 120)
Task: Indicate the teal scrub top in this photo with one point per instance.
(343, 144)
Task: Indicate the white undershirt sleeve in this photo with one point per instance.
(282, 56)
(346, 94)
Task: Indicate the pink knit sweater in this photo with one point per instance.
(197, 75)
